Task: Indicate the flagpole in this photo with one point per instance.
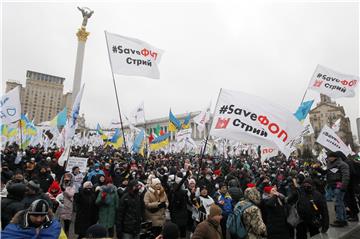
(116, 94)
(20, 134)
(146, 139)
(207, 137)
(304, 96)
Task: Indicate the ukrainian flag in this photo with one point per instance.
(160, 142)
(117, 140)
(174, 123)
(60, 119)
(4, 130)
(303, 110)
(100, 132)
(12, 132)
(186, 123)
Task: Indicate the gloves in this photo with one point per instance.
(103, 195)
(162, 205)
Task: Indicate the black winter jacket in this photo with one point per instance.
(12, 203)
(130, 214)
(338, 171)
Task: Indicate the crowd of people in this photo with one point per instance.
(168, 196)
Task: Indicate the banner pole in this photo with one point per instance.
(116, 94)
(207, 137)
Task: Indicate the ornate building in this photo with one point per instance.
(327, 112)
(42, 97)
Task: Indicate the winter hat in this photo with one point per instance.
(267, 189)
(39, 207)
(215, 210)
(170, 231)
(88, 184)
(55, 185)
(96, 231)
(155, 181)
(203, 187)
(250, 185)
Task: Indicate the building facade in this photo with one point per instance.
(327, 112)
(42, 98)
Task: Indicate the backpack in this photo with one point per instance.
(235, 223)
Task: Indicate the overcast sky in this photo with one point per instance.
(267, 49)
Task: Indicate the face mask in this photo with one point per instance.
(308, 189)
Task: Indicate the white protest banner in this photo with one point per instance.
(329, 139)
(267, 152)
(130, 56)
(77, 161)
(333, 84)
(250, 119)
(183, 134)
(10, 110)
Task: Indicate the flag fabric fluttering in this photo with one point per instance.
(160, 142)
(117, 139)
(303, 110)
(138, 115)
(332, 83)
(10, 110)
(329, 139)
(76, 108)
(202, 118)
(133, 57)
(186, 123)
(251, 119)
(60, 119)
(101, 132)
(174, 123)
(138, 142)
(336, 125)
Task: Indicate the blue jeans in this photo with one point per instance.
(339, 205)
(329, 194)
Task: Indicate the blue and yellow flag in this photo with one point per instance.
(138, 142)
(28, 128)
(160, 142)
(186, 123)
(101, 132)
(174, 123)
(117, 140)
(60, 119)
(303, 110)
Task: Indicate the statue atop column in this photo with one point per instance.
(86, 13)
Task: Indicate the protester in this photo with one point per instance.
(35, 222)
(156, 202)
(210, 228)
(86, 209)
(12, 203)
(108, 203)
(130, 212)
(338, 176)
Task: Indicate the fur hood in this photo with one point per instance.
(21, 218)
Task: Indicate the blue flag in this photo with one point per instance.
(303, 110)
(138, 142)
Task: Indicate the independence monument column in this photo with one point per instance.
(82, 35)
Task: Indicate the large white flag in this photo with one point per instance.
(332, 83)
(10, 110)
(329, 139)
(250, 119)
(130, 56)
(202, 118)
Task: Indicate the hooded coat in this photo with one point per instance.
(152, 199)
(252, 218)
(108, 202)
